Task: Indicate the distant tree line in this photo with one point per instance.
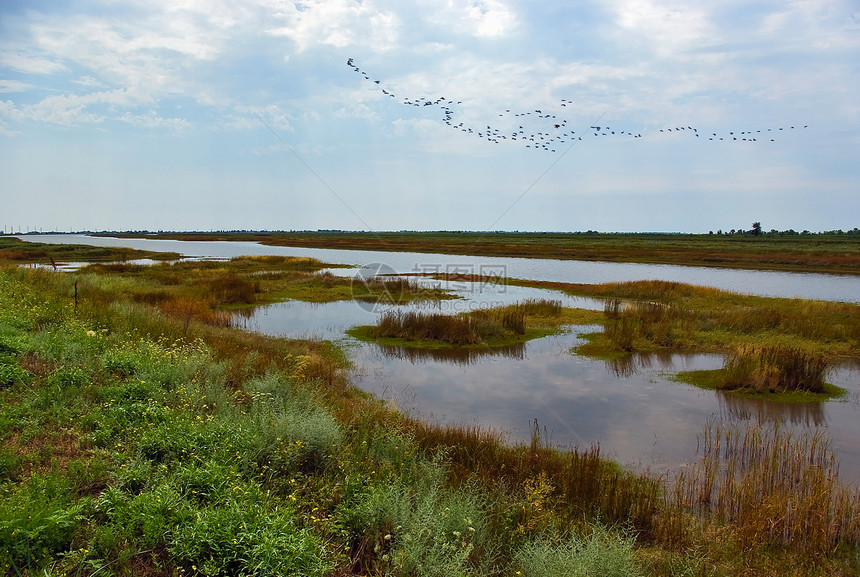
(756, 230)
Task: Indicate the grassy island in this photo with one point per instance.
(498, 327)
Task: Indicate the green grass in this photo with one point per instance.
(141, 442)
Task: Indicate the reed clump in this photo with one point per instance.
(774, 487)
(478, 327)
(638, 325)
(769, 369)
(394, 290)
(572, 484)
(539, 307)
(457, 330)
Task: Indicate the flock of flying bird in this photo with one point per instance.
(544, 130)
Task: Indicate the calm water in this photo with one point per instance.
(845, 288)
(632, 410)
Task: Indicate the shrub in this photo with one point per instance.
(121, 362)
(244, 538)
(422, 529)
(291, 429)
(601, 554)
(147, 518)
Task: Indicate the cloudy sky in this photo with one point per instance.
(219, 114)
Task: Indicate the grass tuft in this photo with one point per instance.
(774, 368)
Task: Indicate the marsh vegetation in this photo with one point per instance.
(15, 250)
(493, 327)
(141, 436)
(771, 344)
(834, 252)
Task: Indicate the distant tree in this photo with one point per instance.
(756, 229)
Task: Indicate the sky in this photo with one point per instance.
(550, 115)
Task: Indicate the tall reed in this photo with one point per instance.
(774, 486)
(413, 325)
(477, 328)
(773, 368)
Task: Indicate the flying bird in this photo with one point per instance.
(547, 127)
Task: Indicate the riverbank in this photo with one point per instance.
(142, 439)
(820, 253)
(15, 250)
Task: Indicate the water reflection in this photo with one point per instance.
(736, 408)
(844, 288)
(455, 355)
(631, 408)
(629, 365)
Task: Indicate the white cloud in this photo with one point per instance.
(489, 17)
(9, 111)
(88, 81)
(478, 18)
(152, 120)
(30, 64)
(272, 116)
(669, 27)
(821, 25)
(14, 86)
(335, 22)
(74, 110)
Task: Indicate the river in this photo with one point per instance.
(634, 411)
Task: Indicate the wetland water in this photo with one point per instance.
(634, 411)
